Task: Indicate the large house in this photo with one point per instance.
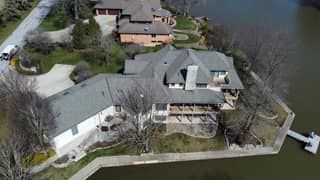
(139, 21)
(192, 87)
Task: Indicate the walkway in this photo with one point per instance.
(30, 23)
(107, 25)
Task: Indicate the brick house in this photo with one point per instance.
(139, 21)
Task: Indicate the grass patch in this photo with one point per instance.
(65, 173)
(3, 120)
(50, 23)
(184, 23)
(62, 56)
(40, 157)
(192, 39)
(11, 26)
(181, 143)
(266, 130)
(1, 4)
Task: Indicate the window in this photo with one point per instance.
(161, 107)
(201, 85)
(118, 108)
(74, 130)
(154, 35)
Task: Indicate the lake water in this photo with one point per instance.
(303, 23)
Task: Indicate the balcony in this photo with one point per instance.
(192, 109)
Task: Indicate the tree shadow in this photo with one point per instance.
(307, 3)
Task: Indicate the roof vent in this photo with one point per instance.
(83, 85)
(66, 93)
(146, 29)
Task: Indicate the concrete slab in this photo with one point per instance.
(55, 81)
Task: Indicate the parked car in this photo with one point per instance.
(9, 52)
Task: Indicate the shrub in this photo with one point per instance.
(79, 35)
(82, 71)
(40, 42)
(132, 49)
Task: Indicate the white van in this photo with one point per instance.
(9, 52)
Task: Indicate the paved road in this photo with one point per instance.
(30, 23)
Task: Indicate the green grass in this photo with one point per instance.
(65, 173)
(184, 23)
(50, 23)
(11, 26)
(180, 143)
(192, 39)
(1, 4)
(266, 130)
(62, 56)
(3, 120)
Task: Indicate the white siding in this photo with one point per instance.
(65, 142)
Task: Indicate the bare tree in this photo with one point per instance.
(12, 83)
(27, 111)
(268, 52)
(138, 102)
(14, 158)
(32, 114)
(219, 38)
(185, 5)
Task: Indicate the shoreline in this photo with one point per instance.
(144, 159)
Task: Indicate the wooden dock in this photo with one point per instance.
(312, 141)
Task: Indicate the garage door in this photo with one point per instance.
(113, 11)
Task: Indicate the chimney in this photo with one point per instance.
(192, 71)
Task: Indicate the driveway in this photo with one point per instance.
(55, 81)
(30, 23)
(107, 25)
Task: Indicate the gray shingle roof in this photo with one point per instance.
(169, 63)
(109, 4)
(78, 103)
(86, 99)
(139, 9)
(199, 96)
(177, 71)
(156, 27)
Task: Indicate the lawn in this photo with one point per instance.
(184, 23)
(192, 39)
(50, 23)
(3, 120)
(266, 130)
(65, 173)
(62, 56)
(1, 4)
(11, 26)
(181, 143)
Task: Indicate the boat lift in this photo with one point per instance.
(312, 141)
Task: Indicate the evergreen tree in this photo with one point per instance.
(94, 33)
(79, 35)
(11, 10)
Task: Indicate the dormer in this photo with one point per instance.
(220, 78)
